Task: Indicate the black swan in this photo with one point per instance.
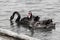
(26, 20)
(33, 21)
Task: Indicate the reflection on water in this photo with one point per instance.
(23, 28)
(27, 30)
(43, 8)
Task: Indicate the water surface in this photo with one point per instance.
(43, 8)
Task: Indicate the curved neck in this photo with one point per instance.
(18, 18)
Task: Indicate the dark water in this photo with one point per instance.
(43, 8)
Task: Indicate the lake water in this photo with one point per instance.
(43, 8)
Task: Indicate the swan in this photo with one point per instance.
(26, 20)
(32, 21)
